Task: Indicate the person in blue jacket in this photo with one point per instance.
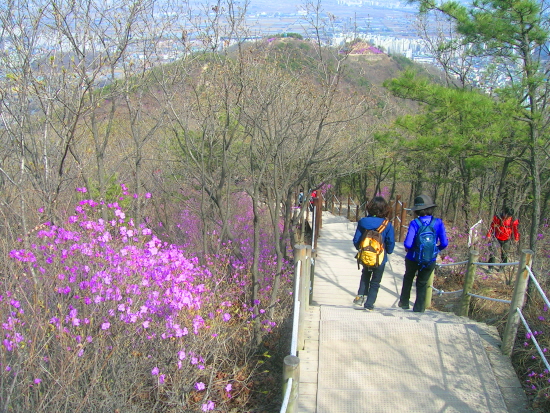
(423, 209)
(377, 210)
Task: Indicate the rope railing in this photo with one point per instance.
(288, 384)
(441, 292)
(519, 313)
(515, 315)
(333, 203)
(498, 300)
(532, 336)
(303, 290)
(538, 287)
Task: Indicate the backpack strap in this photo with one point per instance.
(421, 224)
(382, 226)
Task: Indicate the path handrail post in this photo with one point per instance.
(307, 274)
(291, 370)
(403, 217)
(468, 283)
(349, 206)
(429, 289)
(300, 254)
(318, 218)
(518, 300)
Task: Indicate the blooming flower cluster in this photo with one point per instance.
(109, 296)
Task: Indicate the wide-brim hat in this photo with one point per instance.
(422, 202)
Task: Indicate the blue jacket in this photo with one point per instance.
(439, 227)
(374, 223)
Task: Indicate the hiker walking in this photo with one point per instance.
(503, 227)
(313, 196)
(425, 238)
(378, 211)
(301, 197)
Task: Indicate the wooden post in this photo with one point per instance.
(311, 256)
(468, 283)
(429, 290)
(318, 223)
(340, 207)
(396, 211)
(357, 213)
(331, 204)
(291, 369)
(403, 218)
(349, 206)
(518, 300)
(306, 286)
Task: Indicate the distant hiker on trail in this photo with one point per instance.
(301, 197)
(379, 230)
(503, 227)
(312, 199)
(425, 238)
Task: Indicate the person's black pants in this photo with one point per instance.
(422, 274)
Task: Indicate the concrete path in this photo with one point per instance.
(392, 360)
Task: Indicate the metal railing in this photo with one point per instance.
(515, 315)
(303, 290)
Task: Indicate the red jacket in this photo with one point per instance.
(503, 229)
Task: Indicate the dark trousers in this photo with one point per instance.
(370, 284)
(422, 274)
(504, 251)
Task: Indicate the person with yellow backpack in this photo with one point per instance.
(374, 239)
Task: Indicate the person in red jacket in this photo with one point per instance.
(504, 228)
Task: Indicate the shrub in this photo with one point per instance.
(104, 316)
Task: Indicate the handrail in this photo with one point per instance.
(295, 326)
(296, 315)
(303, 288)
(537, 285)
(532, 337)
(286, 397)
(524, 274)
(490, 298)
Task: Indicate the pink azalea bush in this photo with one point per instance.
(103, 315)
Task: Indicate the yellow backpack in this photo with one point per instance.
(371, 247)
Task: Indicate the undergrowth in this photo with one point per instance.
(489, 282)
(103, 316)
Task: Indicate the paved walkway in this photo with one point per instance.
(392, 360)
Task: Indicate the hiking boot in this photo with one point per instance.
(404, 306)
(359, 299)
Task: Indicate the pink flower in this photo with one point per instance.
(37, 381)
(200, 386)
(208, 406)
(105, 325)
(155, 371)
